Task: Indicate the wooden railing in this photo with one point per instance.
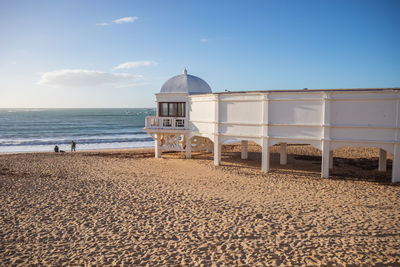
(154, 122)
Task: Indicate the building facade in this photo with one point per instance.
(190, 117)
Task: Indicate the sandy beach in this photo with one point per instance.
(124, 207)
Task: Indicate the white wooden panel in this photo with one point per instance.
(362, 95)
(198, 98)
(240, 130)
(372, 113)
(295, 112)
(301, 132)
(363, 134)
(306, 95)
(201, 111)
(249, 112)
(197, 127)
(240, 97)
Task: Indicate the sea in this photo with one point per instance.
(36, 130)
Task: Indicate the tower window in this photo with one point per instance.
(171, 109)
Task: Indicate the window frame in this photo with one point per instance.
(174, 109)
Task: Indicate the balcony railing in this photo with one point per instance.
(154, 122)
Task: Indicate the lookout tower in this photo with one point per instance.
(170, 127)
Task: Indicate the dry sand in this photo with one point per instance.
(126, 207)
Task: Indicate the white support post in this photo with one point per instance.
(382, 160)
(265, 155)
(245, 148)
(157, 150)
(396, 164)
(326, 137)
(217, 151)
(217, 145)
(283, 154)
(188, 148)
(325, 159)
(396, 150)
(265, 134)
(331, 160)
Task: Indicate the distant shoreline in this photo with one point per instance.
(80, 150)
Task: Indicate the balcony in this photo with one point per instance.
(168, 123)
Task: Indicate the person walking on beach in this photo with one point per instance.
(73, 145)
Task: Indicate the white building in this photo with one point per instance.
(190, 117)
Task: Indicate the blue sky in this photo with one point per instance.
(119, 53)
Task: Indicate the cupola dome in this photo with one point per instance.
(186, 83)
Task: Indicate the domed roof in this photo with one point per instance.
(186, 83)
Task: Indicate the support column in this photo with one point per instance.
(217, 145)
(331, 160)
(157, 150)
(396, 164)
(326, 133)
(396, 151)
(217, 151)
(265, 155)
(245, 148)
(382, 160)
(325, 159)
(283, 154)
(188, 148)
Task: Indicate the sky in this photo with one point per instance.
(117, 54)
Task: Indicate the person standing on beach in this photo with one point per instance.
(73, 145)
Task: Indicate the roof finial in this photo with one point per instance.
(185, 71)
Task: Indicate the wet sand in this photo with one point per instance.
(128, 208)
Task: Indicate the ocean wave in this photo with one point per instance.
(22, 110)
(72, 136)
(39, 128)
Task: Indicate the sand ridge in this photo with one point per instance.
(128, 208)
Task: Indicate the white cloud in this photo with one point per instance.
(204, 40)
(118, 21)
(85, 78)
(135, 64)
(102, 24)
(125, 20)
